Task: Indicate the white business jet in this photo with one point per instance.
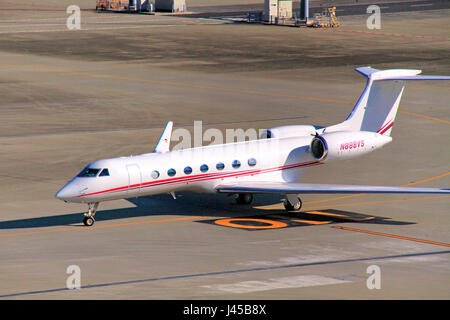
(271, 164)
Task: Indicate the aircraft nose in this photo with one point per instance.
(68, 192)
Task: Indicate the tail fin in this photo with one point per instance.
(377, 107)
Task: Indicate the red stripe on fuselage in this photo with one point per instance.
(259, 171)
(204, 177)
(158, 182)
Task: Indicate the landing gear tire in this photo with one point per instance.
(88, 221)
(292, 207)
(243, 198)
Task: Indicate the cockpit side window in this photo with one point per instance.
(104, 173)
(89, 172)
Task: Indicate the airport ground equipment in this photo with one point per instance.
(124, 5)
(326, 19)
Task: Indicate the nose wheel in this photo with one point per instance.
(88, 221)
(89, 216)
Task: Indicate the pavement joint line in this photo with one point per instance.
(224, 272)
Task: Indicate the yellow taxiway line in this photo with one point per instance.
(393, 236)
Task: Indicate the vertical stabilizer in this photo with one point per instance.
(377, 107)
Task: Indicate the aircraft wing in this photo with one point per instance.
(295, 188)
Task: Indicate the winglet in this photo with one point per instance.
(164, 142)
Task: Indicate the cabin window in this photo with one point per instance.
(188, 170)
(89, 172)
(155, 174)
(204, 168)
(171, 172)
(252, 162)
(220, 166)
(104, 173)
(236, 164)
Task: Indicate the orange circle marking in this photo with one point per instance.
(271, 224)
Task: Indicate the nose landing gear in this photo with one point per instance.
(89, 216)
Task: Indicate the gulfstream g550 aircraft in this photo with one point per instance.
(269, 165)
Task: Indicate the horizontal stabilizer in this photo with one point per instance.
(416, 78)
(294, 188)
(396, 74)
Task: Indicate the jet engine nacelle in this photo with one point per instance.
(346, 144)
(287, 132)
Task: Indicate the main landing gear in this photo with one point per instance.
(89, 216)
(243, 198)
(292, 202)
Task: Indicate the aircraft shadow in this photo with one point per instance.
(190, 204)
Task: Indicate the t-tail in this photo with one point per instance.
(377, 107)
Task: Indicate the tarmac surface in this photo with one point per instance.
(68, 98)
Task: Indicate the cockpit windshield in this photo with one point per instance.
(89, 172)
(104, 173)
(93, 172)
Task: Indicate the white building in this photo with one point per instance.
(277, 9)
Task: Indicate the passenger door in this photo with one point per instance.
(134, 179)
